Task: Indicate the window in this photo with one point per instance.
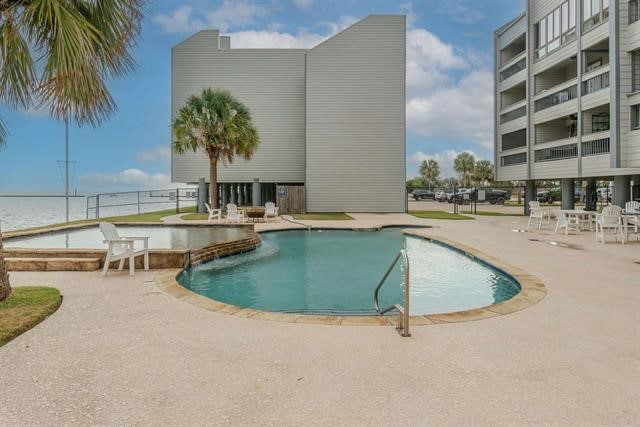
(594, 12)
(600, 122)
(635, 70)
(557, 28)
(635, 117)
(513, 159)
(634, 11)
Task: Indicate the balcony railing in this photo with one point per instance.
(514, 69)
(513, 159)
(568, 151)
(557, 98)
(514, 114)
(595, 147)
(596, 83)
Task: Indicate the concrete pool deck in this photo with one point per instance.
(120, 351)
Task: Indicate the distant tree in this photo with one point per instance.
(417, 182)
(483, 172)
(450, 182)
(60, 54)
(464, 164)
(218, 124)
(430, 171)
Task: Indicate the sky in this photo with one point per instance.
(449, 87)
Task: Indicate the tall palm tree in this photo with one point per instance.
(483, 171)
(430, 170)
(218, 124)
(464, 164)
(58, 55)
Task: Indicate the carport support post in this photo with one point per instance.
(622, 193)
(202, 195)
(225, 195)
(529, 194)
(567, 186)
(240, 194)
(234, 193)
(255, 190)
(635, 191)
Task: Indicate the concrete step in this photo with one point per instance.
(52, 264)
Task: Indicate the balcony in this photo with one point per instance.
(512, 51)
(513, 69)
(557, 130)
(596, 83)
(513, 95)
(513, 140)
(561, 152)
(513, 114)
(596, 144)
(513, 159)
(556, 98)
(561, 73)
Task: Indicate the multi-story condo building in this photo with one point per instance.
(567, 96)
(330, 118)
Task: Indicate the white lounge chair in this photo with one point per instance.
(567, 222)
(536, 214)
(633, 207)
(270, 211)
(213, 213)
(610, 219)
(122, 248)
(234, 214)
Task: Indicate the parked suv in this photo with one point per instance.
(554, 194)
(491, 195)
(423, 194)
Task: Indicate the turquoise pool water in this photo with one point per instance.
(336, 271)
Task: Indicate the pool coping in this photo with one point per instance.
(532, 291)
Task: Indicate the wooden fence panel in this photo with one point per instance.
(290, 199)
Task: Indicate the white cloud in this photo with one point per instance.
(155, 155)
(463, 110)
(303, 4)
(132, 178)
(274, 39)
(445, 160)
(231, 13)
(459, 12)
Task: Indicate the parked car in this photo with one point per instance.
(423, 194)
(555, 194)
(458, 196)
(604, 194)
(491, 195)
(441, 196)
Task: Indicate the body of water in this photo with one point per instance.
(25, 212)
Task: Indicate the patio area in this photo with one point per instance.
(120, 351)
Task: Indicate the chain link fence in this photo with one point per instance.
(138, 202)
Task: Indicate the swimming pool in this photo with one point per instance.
(160, 237)
(336, 271)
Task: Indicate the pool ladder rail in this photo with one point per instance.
(403, 319)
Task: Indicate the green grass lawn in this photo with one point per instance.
(323, 216)
(144, 217)
(490, 213)
(438, 215)
(25, 308)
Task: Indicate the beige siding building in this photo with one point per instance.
(330, 118)
(567, 99)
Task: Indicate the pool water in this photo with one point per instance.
(160, 237)
(322, 271)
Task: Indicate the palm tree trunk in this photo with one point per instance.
(5, 287)
(213, 179)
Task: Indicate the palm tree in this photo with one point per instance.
(464, 164)
(483, 171)
(430, 170)
(58, 55)
(218, 124)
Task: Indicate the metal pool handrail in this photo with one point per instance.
(403, 320)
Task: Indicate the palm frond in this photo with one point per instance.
(16, 64)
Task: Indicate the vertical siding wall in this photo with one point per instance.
(271, 82)
(355, 155)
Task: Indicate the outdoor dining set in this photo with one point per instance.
(613, 220)
(233, 214)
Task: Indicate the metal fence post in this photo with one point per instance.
(87, 205)
(138, 203)
(177, 200)
(97, 206)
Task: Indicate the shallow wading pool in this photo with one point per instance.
(336, 271)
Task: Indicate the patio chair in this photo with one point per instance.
(536, 215)
(122, 248)
(567, 222)
(270, 211)
(633, 207)
(610, 219)
(213, 213)
(234, 214)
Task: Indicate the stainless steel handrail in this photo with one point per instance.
(403, 320)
